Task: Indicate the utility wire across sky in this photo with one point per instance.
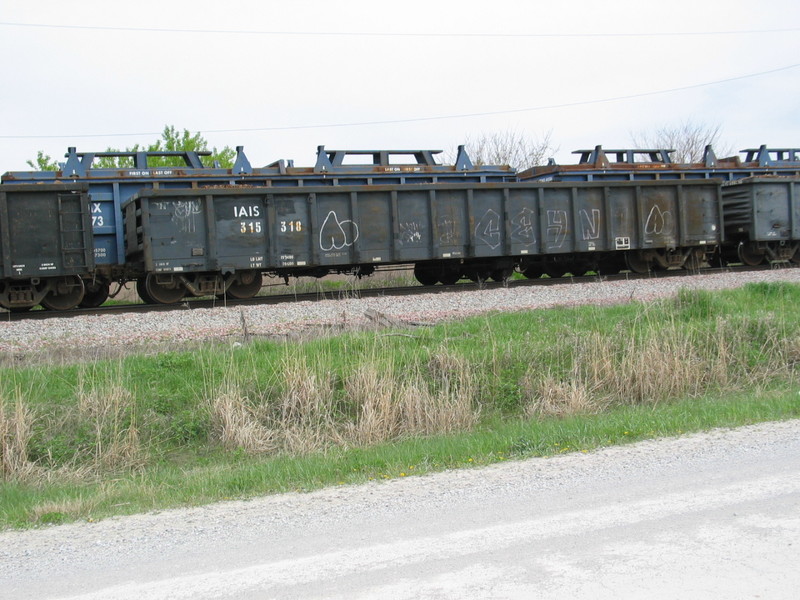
(431, 118)
(404, 34)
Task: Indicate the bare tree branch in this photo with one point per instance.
(510, 147)
(688, 139)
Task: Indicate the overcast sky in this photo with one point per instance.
(278, 77)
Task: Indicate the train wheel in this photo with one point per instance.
(637, 263)
(247, 286)
(162, 293)
(141, 289)
(426, 274)
(95, 293)
(750, 255)
(68, 293)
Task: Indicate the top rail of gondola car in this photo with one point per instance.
(600, 163)
(412, 164)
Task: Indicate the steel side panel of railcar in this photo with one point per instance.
(775, 209)
(762, 209)
(332, 227)
(197, 232)
(45, 231)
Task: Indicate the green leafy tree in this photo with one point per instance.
(171, 140)
(43, 162)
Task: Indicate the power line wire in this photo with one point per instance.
(404, 34)
(433, 118)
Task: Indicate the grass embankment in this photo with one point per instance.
(90, 440)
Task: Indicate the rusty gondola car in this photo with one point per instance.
(213, 241)
(761, 216)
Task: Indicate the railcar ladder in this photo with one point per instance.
(72, 232)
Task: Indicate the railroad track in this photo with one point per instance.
(316, 296)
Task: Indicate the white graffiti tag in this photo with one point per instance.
(488, 229)
(335, 234)
(590, 226)
(447, 231)
(410, 233)
(185, 215)
(523, 227)
(556, 227)
(659, 222)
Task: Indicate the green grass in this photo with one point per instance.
(151, 432)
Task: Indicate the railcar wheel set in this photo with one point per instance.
(196, 230)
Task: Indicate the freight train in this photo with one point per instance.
(109, 188)
(198, 230)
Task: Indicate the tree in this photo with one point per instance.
(171, 141)
(688, 139)
(43, 162)
(510, 147)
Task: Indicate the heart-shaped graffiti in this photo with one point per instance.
(659, 222)
(336, 234)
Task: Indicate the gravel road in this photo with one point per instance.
(712, 515)
(84, 336)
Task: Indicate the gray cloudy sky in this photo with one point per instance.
(277, 77)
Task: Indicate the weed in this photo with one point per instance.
(187, 427)
(16, 425)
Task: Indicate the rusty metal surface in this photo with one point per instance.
(656, 164)
(328, 228)
(111, 187)
(762, 209)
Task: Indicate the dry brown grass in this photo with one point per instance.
(390, 406)
(306, 415)
(307, 410)
(659, 364)
(235, 423)
(378, 414)
(643, 371)
(56, 511)
(16, 429)
(552, 397)
(109, 408)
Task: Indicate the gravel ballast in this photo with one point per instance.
(134, 331)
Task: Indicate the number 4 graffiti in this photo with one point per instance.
(488, 229)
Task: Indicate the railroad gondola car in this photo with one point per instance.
(200, 242)
(761, 216)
